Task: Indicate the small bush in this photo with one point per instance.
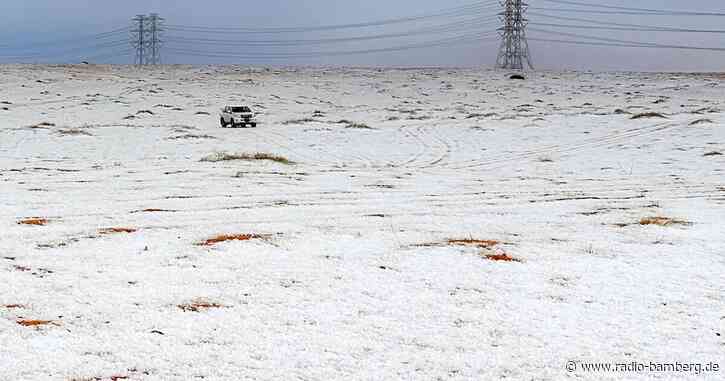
(662, 221)
(648, 115)
(73, 132)
(298, 121)
(700, 121)
(225, 156)
(359, 126)
(198, 305)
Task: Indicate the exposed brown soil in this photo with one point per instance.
(502, 257)
(230, 237)
(117, 230)
(35, 221)
(198, 305)
(35, 323)
(662, 221)
(482, 243)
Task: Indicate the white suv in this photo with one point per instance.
(237, 116)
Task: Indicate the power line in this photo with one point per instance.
(645, 10)
(113, 33)
(623, 45)
(633, 26)
(447, 28)
(448, 41)
(631, 29)
(615, 12)
(626, 42)
(67, 52)
(457, 11)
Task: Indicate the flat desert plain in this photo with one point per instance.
(378, 224)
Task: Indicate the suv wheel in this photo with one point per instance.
(221, 120)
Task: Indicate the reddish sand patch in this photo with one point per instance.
(230, 237)
(198, 305)
(482, 243)
(35, 323)
(117, 230)
(502, 257)
(35, 221)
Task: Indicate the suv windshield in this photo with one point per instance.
(241, 109)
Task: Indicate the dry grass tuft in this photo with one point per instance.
(117, 230)
(35, 323)
(43, 125)
(74, 132)
(356, 125)
(154, 210)
(198, 305)
(701, 121)
(14, 306)
(35, 221)
(662, 221)
(648, 115)
(230, 237)
(482, 243)
(225, 156)
(502, 257)
(488, 248)
(298, 121)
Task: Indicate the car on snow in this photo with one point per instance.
(237, 116)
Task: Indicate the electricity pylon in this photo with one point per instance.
(155, 25)
(146, 39)
(514, 51)
(138, 39)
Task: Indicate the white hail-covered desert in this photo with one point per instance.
(422, 224)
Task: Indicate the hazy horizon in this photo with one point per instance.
(38, 21)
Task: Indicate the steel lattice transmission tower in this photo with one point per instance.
(155, 29)
(514, 51)
(146, 41)
(138, 39)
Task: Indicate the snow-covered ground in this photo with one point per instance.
(349, 274)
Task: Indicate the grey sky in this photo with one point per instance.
(25, 21)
